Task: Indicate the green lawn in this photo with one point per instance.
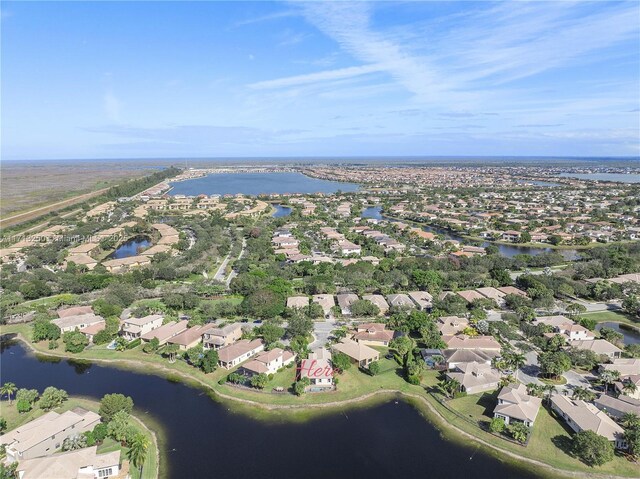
(611, 316)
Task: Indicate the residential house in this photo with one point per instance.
(618, 407)
(400, 301)
(83, 463)
(268, 362)
(374, 334)
(512, 290)
(625, 366)
(475, 377)
(133, 328)
(513, 236)
(486, 343)
(493, 293)
(622, 387)
(74, 311)
(599, 346)
(422, 299)
(188, 338)
(470, 295)
(297, 302)
(515, 405)
(345, 301)
(233, 354)
(583, 416)
(71, 323)
(326, 302)
(359, 353)
(379, 301)
(93, 329)
(43, 436)
(166, 331)
(318, 369)
(451, 325)
(218, 337)
(574, 332)
(455, 357)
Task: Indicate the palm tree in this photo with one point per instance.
(449, 387)
(629, 388)
(629, 419)
(583, 394)
(609, 376)
(9, 389)
(516, 360)
(547, 391)
(137, 452)
(534, 389)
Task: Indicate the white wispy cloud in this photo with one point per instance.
(474, 62)
(112, 106)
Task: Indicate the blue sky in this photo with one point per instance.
(209, 79)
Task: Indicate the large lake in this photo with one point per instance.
(204, 439)
(622, 177)
(258, 184)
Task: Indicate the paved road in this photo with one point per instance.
(219, 276)
(594, 306)
(321, 332)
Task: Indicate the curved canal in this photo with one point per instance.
(204, 439)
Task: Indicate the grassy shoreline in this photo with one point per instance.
(151, 469)
(355, 390)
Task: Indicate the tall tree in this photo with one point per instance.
(137, 452)
(8, 389)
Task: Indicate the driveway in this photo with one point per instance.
(529, 372)
(594, 306)
(321, 332)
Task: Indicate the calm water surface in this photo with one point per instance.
(131, 247)
(281, 210)
(629, 336)
(622, 177)
(205, 440)
(258, 183)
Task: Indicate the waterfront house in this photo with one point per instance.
(515, 405)
(188, 338)
(133, 328)
(220, 336)
(166, 331)
(71, 323)
(43, 436)
(475, 377)
(318, 369)
(359, 353)
(83, 463)
(93, 329)
(233, 354)
(374, 334)
(268, 362)
(582, 416)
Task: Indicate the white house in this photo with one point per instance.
(515, 405)
(81, 463)
(133, 328)
(233, 354)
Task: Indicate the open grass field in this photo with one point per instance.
(28, 186)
